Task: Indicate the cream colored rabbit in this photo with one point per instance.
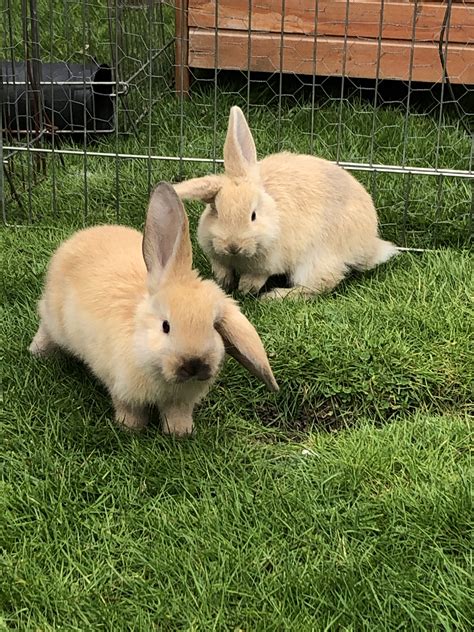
(144, 322)
(287, 214)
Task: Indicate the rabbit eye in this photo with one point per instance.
(166, 327)
(253, 217)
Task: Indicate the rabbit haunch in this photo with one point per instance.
(287, 214)
(133, 309)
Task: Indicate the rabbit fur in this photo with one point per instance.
(133, 309)
(288, 214)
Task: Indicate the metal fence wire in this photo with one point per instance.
(101, 98)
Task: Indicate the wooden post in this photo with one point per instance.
(181, 48)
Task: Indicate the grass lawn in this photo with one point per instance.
(341, 503)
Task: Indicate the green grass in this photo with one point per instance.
(370, 530)
(76, 31)
(264, 521)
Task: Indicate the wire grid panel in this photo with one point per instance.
(72, 72)
(384, 88)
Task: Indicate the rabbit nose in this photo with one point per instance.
(233, 249)
(194, 367)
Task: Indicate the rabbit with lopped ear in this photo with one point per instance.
(288, 214)
(133, 309)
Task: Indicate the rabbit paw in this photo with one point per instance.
(178, 421)
(129, 417)
(251, 283)
(42, 345)
(224, 276)
(178, 427)
(280, 293)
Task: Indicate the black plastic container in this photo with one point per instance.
(61, 97)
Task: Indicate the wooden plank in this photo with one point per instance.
(363, 18)
(181, 48)
(298, 51)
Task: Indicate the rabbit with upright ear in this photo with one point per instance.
(133, 309)
(287, 214)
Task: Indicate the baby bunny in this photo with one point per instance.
(288, 214)
(133, 309)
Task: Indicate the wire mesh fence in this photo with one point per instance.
(100, 99)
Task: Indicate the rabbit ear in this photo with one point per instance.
(242, 342)
(239, 148)
(166, 244)
(204, 189)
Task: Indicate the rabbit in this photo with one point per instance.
(288, 214)
(134, 310)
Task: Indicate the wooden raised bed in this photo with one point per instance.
(325, 37)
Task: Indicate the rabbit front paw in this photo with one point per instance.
(42, 344)
(177, 422)
(251, 283)
(225, 277)
(129, 417)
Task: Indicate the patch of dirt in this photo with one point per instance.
(324, 416)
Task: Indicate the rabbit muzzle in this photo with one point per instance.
(193, 368)
(246, 248)
(233, 249)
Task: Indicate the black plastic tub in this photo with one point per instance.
(59, 97)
